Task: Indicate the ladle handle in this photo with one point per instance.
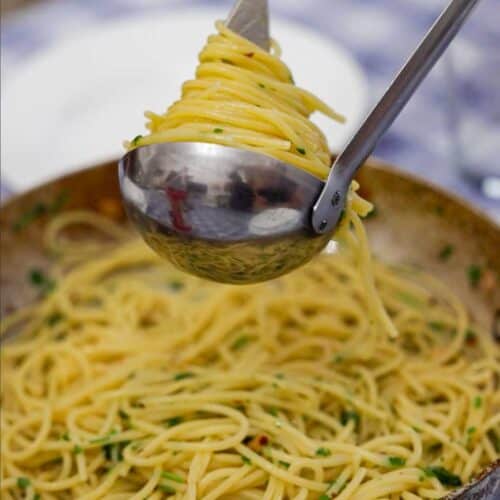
(331, 202)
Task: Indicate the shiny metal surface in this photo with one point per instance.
(250, 18)
(328, 209)
(240, 217)
(221, 213)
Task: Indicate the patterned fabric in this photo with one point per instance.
(380, 34)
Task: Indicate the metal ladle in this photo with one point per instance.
(240, 217)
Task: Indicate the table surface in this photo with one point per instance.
(380, 34)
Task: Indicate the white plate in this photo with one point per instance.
(73, 105)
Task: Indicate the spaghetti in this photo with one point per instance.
(131, 380)
(245, 97)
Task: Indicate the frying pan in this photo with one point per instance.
(414, 222)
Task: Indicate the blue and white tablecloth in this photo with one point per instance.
(380, 34)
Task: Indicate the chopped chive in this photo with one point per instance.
(65, 437)
(474, 274)
(444, 476)
(284, 464)
(471, 430)
(37, 496)
(136, 140)
(37, 211)
(280, 376)
(218, 130)
(262, 86)
(324, 496)
(302, 151)
(77, 449)
(172, 422)
(323, 452)
(240, 342)
(347, 415)
(23, 482)
(183, 376)
(172, 477)
(396, 461)
(246, 460)
(446, 252)
(478, 402)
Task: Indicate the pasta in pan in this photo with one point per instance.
(131, 380)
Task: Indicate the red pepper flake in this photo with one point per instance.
(258, 442)
(250, 54)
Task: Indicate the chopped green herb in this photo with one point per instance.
(114, 451)
(39, 280)
(23, 482)
(396, 461)
(446, 252)
(172, 422)
(136, 140)
(283, 464)
(433, 448)
(218, 130)
(29, 216)
(167, 489)
(273, 411)
(372, 214)
(445, 477)
(417, 429)
(262, 86)
(176, 286)
(123, 415)
(439, 210)
(227, 61)
(280, 376)
(184, 375)
(65, 436)
(436, 326)
(38, 210)
(323, 452)
(470, 335)
(409, 300)
(246, 460)
(77, 449)
(478, 402)
(240, 342)
(302, 151)
(172, 477)
(347, 415)
(54, 318)
(37, 497)
(474, 274)
(338, 358)
(471, 430)
(495, 439)
(324, 496)
(103, 439)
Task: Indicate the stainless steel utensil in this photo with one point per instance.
(239, 217)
